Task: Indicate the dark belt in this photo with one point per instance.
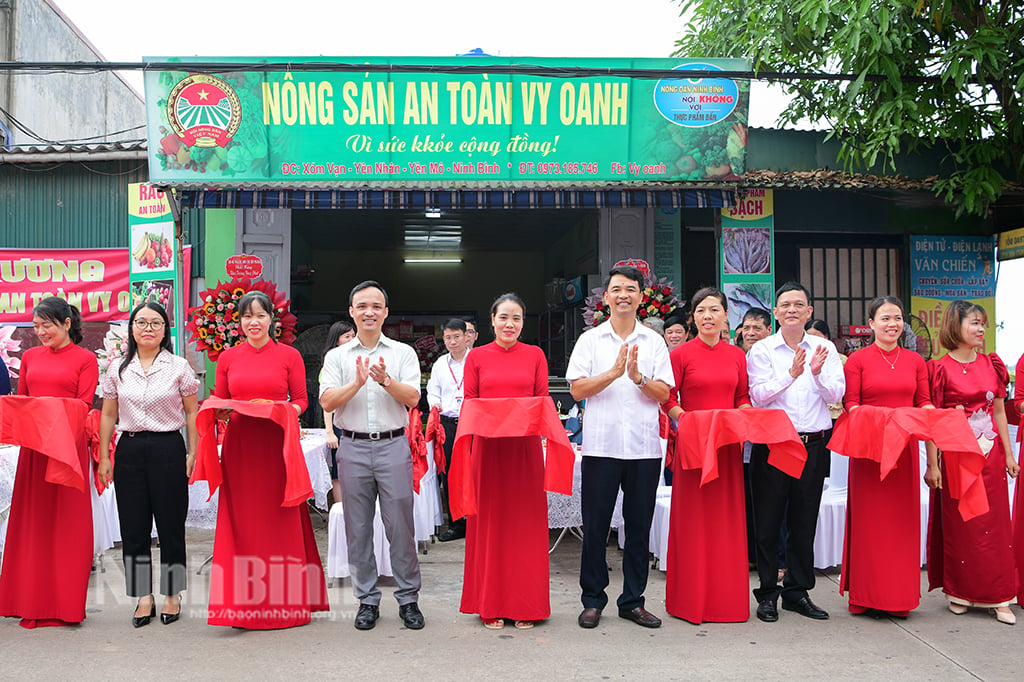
(376, 435)
(450, 420)
(811, 437)
(134, 434)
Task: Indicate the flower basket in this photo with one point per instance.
(214, 324)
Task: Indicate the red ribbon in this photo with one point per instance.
(882, 433)
(703, 432)
(507, 418)
(297, 487)
(51, 427)
(435, 432)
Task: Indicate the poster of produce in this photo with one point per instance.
(747, 255)
(311, 122)
(153, 259)
(152, 249)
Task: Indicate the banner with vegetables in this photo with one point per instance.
(323, 128)
(747, 254)
(153, 263)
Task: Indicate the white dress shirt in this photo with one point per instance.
(444, 388)
(620, 422)
(371, 409)
(806, 398)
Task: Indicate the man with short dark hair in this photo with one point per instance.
(801, 374)
(370, 383)
(756, 325)
(621, 368)
(471, 334)
(444, 391)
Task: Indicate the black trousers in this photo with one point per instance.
(601, 479)
(777, 495)
(450, 428)
(149, 476)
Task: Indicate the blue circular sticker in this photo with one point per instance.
(696, 102)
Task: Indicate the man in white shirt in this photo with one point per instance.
(801, 374)
(471, 334)
(622, 370)
(444, 391)
(370, 383)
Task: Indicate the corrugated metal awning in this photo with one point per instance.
(458, 199)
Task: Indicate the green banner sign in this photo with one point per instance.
(337, 128)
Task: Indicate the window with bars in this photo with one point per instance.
(842, 281)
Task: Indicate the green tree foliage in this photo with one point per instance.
(952, 74)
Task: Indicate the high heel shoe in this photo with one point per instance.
(168, 618)
(958, 609)
(139, 621)
(1006, 617)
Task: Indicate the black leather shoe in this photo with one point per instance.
(139, 621)
(589, 618)
(367, 617)
(641, 616)
(805, 607)
(768, 611)
(411, 616)
(452, 534)
(168, 618)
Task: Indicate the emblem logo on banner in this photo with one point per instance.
(204, 111)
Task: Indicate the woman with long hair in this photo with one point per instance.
(972, 561)
(708, 575)
(506, 570)
(881, 548)
(339, 334)
(151, 396)
(256, 535)
(48, 553)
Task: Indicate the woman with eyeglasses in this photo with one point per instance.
(151, 396)
(48, 552)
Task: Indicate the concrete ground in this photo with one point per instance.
(931, 644)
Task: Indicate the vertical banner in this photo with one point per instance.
(944, 269)
(153, 261)
(747, 254)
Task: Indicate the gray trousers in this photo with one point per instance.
(368, 470)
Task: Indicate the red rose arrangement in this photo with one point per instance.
(214, 324)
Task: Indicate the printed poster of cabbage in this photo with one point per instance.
(747, 250)
(742, 297)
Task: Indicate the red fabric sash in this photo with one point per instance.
(92, 435)
(297, 487)
(703, 432)
(507, 418)
(51, 427)
(882, 433)
(435, 432)
(417, 448)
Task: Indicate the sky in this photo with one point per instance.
(127, 30)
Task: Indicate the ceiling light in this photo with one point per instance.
(433, 260)
(433, 213)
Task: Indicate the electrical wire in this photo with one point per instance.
(452, 69)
